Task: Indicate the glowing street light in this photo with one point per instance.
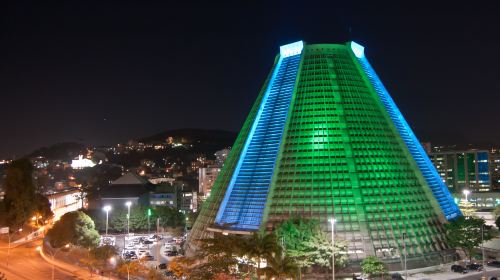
(128, 203)
(466, 193)
(332, 222)
(149, 224)
(107, 208)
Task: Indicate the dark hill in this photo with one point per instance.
(61, 151)
(220, 138)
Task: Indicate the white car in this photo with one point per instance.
(152, 238)
(143, 253)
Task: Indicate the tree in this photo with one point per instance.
(76, 228)
(179, 267)
(261, 245)
(496, 212)
(308, 245)
(319, 250)
(216, 256)
(118, 220)
(139, 218)
(19, 197)
(465, 233)
(99, 256)
(131, 268)
(169, 217)
(103, 252)
(373, 266)
(42, 207)
(281, 265)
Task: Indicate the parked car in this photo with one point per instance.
(143, 253)
(147, 258)
(475, 267)
(493, 263)
(458, 268)
(147, 242)
(155, 237)
(397, 276)
(129, 254)
(172, 253)
(162, 266)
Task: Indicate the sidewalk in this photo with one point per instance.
(10, 275)
(79, 272)
(448, 274)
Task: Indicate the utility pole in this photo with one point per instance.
(332, 221)
(405, 253)
(149, 226)
(482, 251)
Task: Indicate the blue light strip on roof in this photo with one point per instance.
(429, 172)
(243, 204)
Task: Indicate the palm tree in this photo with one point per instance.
(281, 266)
(261, 245)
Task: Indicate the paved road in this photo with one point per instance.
(477, 276)
(25, 263)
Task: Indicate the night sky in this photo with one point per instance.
(106, 73)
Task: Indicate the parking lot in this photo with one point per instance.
(155, 249)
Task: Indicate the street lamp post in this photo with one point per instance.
(466, 193)
(482, 251)
(332, 222)
(53, 255)
(8, 249)
(405, 254)
(128, 203)
(107, 208)
(149, 226)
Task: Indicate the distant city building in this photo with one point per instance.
(207, 176)
(188, 201)
(464, 169)
(81, 163)
(220, 157)
(164, 194)
(130, 187)
(64, 201)
(163, 199)
(495, 168)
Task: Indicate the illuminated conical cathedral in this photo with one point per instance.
(325, 140)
